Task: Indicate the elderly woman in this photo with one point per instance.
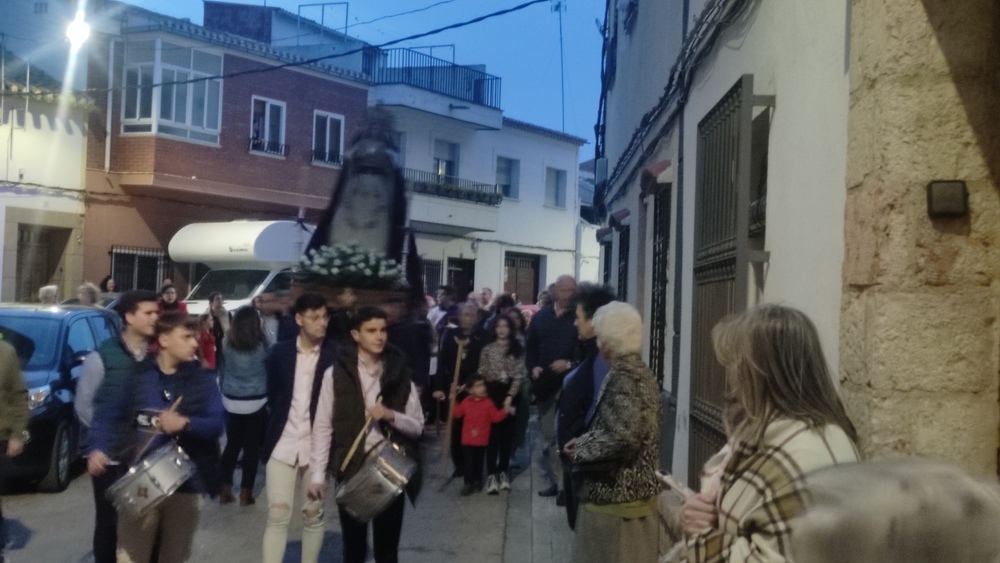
(784, 419)
(617, 520)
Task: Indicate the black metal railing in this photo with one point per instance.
(452, 188)
(405, 66)
(268, 147)
(328, 157)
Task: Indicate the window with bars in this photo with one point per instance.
(606, 273)
(624, 232)
(431, 275)
(661, 259)
(138, 268)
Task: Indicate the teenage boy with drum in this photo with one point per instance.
(369, 378)
(170, 399)
(104, 372)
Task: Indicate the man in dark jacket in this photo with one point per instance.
(581, 387)
(105, 373)
(473, 339)
(549, 352)
(169, 399)
(294, 373)
(369, 378)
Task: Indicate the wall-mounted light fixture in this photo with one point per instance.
(947, 198)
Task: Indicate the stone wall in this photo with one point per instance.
(920, 341)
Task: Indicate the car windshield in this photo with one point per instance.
(34, 339)
(232, 284)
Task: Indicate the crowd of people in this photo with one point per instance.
(282, 384)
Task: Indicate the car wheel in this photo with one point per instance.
(60, 462)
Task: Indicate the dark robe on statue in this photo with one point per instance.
(368, 206)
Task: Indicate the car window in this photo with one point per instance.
(32, 337)
(104, 327)
(80, 338)
(282, 281)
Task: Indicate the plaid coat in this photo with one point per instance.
(762, 493)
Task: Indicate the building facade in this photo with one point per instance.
(752, 156)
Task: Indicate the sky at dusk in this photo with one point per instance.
(521, 47)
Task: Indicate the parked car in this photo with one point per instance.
(51, 342)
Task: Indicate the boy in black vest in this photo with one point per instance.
(369, 377)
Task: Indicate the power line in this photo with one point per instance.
(315, 60)
(380, 18)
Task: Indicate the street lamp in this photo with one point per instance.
(78, 31)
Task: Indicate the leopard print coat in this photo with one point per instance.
(625, 431)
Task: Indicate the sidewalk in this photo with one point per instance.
(516, 526)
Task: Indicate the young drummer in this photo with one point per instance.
(171, 398)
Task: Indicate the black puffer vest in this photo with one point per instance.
(349, 413)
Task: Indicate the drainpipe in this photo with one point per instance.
(111, 94)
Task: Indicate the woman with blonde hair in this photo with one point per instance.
(784, 419)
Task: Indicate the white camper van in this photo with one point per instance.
(246, 258)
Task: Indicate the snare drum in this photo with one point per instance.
(152, 480)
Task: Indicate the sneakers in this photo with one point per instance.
(491, 485)
(503, 482)
(549, 492)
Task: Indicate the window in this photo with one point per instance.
(623, 250)
(328, 137)
(431, 274)
(189, 103)
(508, 174)
(138, 268)
(104, 327)
(445, 158)
(137, 109)
(79, 339)
(555, 188)
(267, 127)
(282, 281)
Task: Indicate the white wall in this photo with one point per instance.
(796, 51)
(642, 68)
(525, 224)
(50, 150)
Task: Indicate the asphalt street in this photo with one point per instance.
(517, 526)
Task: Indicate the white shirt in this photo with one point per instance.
(293, 445)
(410, 422)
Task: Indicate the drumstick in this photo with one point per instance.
(452, 395)
(173, 409)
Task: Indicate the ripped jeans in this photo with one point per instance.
(285, 486)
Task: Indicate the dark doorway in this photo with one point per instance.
(520, 276)
(462, 276)
(39, 255)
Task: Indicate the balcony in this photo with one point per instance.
(460, 92)
(451, 206)
(268, 147)
(324, 157)
(453, 188)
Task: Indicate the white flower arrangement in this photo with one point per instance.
(348, 266)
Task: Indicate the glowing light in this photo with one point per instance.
(78, 31)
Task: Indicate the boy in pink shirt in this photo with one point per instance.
(479, 413)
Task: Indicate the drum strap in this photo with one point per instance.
(357, 442)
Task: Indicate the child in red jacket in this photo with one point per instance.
(480, 413)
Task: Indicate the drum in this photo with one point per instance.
(383, 475)
(152, 480)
